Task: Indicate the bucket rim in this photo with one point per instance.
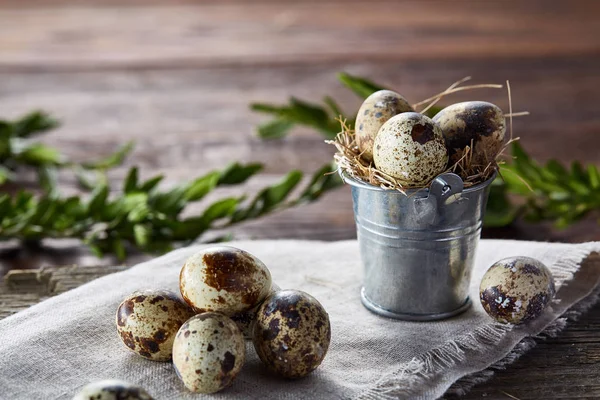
(363, 185)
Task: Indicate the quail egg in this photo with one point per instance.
(245, 320)
(112, 389)
(292, 333)
(147, 322)
(224, 279)
(410, 147)
(209, 352)
(516, 289)
(373, 113)
(476, 122)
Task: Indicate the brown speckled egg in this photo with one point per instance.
(410, 147)
(245, 320)
(224, 279)
(373, 113)
(516, 289)
(291, 333)
(112, 389)
(147, 322)
(209, 352)
(478, 122)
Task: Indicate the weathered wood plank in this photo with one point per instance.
(258, 33)
(191, 117)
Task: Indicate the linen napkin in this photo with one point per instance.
(51, 350)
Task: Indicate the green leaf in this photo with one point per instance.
(274, 129)
(303, 113)
(557, 170)
(171, 202)
(524, 166)
(266, 108)
(96, 250)
(269, 198)
(499, 211)
(5, 175)
(118, 249)
(33, 123)
(220, 209)
(114, 160)
(98, 199)
(514, 182)
(578, 173)
(47, 176)
(38, 154)
(360, 86)
(151, 184)
(86, 179)
(138, 214)
(202, 186)
(189, 229)
(131, 181)
(593, 176)
(135, 202)
(141, 234)
(5, 205)
(310, 114)
(336, 111)
(433, 110)
(71, 206)
(324, 179)
(24, 200)
(237, 173)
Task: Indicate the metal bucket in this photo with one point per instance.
(418, 249)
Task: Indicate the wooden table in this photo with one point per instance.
(177, 77)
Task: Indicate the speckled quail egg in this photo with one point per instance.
(292, 333)
(147, 322)
(478, 122)
(112, 389)
(245, 320)
(224, 279)
(209, 352)
(516, 289)
(410, 147)
(373, 113)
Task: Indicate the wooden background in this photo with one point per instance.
(177, 77)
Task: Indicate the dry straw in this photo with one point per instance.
(349, 159)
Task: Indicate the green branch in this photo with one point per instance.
(143, 216)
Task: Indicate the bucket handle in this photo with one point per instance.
(446, 188)
(443, 190)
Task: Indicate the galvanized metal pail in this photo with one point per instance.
(418, 249)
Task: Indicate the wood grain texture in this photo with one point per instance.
(177, 78)
(292, 32)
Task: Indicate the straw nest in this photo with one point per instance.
(349, 160)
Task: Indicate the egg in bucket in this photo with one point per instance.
(419, 202)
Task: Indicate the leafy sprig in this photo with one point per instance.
(145, 217)
(139, 214)
(551, 192)
(18, 150)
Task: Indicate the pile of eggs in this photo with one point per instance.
(228, 296)
(414, 148)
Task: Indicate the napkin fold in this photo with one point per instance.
(51, 350)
